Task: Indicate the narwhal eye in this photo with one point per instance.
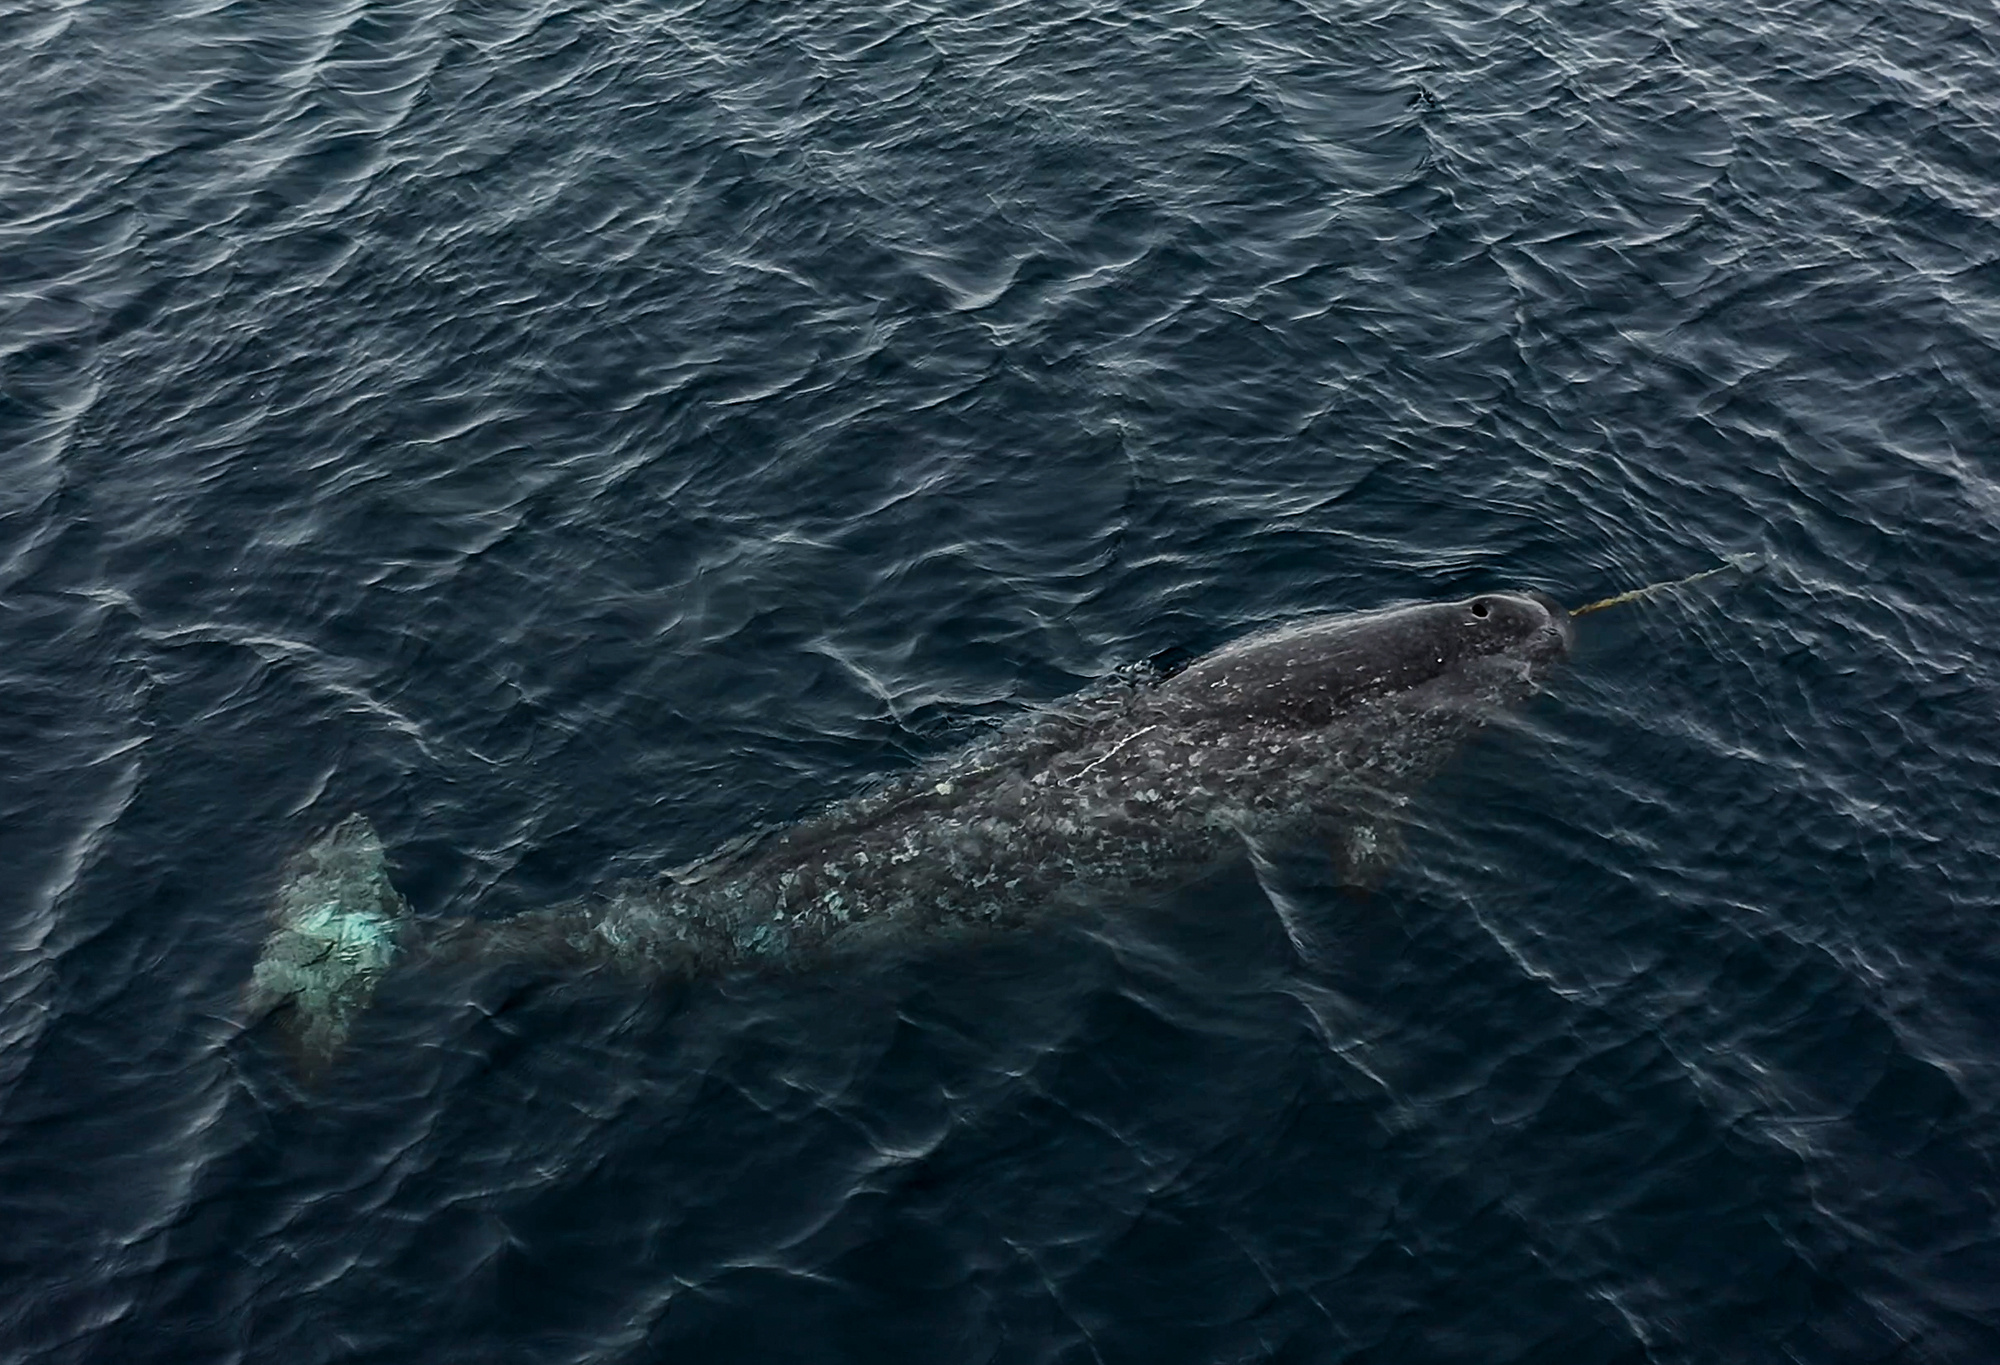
(1479, 608)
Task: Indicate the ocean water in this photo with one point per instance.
(575, 432)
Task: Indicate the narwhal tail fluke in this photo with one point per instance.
(336, 928)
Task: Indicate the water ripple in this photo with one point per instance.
(577, 433)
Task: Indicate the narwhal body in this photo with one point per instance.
(1317, 732)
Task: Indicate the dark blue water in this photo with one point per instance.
(572, 434)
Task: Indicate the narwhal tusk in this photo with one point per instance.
(1744, 563)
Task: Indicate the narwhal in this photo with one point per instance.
(1316, 733)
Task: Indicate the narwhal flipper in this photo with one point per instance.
(335, 930)
(1365, 851)
(1355, 849)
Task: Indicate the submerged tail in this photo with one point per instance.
(338, 926)
(335, 929)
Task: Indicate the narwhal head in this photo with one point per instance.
(1493, 649)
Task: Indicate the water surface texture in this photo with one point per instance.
(573, 434)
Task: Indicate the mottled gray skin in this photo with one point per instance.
(1316, 733)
